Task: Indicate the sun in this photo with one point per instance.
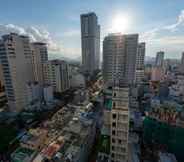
(120, 23)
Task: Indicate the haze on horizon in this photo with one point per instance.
(159, 24)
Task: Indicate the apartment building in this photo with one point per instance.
(119, 124)
(16, 59)
(57, 75)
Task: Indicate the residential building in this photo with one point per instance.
(140, 55)
(140, 62)
(76, 78)
(23, 155)
(3, 99)
(119, 58)
(57, 75)
(139, 76)
(40, 56)
(48, 93)
(119, 124)
(34, 139)
(71, 134)
(182, 58)
(16, 59)
(34, 92)
(159, 59)
(1, 78)
(90, 41)
(182, 63)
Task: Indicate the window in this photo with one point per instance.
(114, 124)
(114, 116)
(113, 148)
(119, 141)
(113, 140)
(114, 94)
(114, 104)
(113, 132)
(112, 155)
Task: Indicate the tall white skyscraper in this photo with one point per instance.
(159, 62)
(90, 41)
(119, 59)
(140, 62)
(40, 56)
(57, 75)
(16, 58)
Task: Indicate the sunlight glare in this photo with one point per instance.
(120, 23)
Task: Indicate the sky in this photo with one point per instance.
(159, 23)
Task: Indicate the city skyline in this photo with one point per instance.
(60, 27)
(97, 81)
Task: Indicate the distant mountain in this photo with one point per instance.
(60, 56)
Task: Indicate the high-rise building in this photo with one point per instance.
(90, 41)
(182, 63)
(119, 59)
(119, 124)
(182, 58)
(140, 56)
(16, 59)
(40, 56)
(159, 59)
(57, 75)
(140, 62)
(119, 67)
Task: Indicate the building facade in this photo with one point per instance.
(119, 58)
(16, 58)
(57, 74)
(90, 41)
(140, 62)
(182, 63)
(159, 59)
(40, 56)
(119, 124)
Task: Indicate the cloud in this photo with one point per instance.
(40, 34)
(159, 38)
(180, 21)
(149, 35)
(71, 33)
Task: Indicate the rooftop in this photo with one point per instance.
(21, 154)
(73, 125)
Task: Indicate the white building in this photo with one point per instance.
(40, 56)
(119, 58)
(90, 41)
(57, 75)
(16, 58)
(119, 124)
